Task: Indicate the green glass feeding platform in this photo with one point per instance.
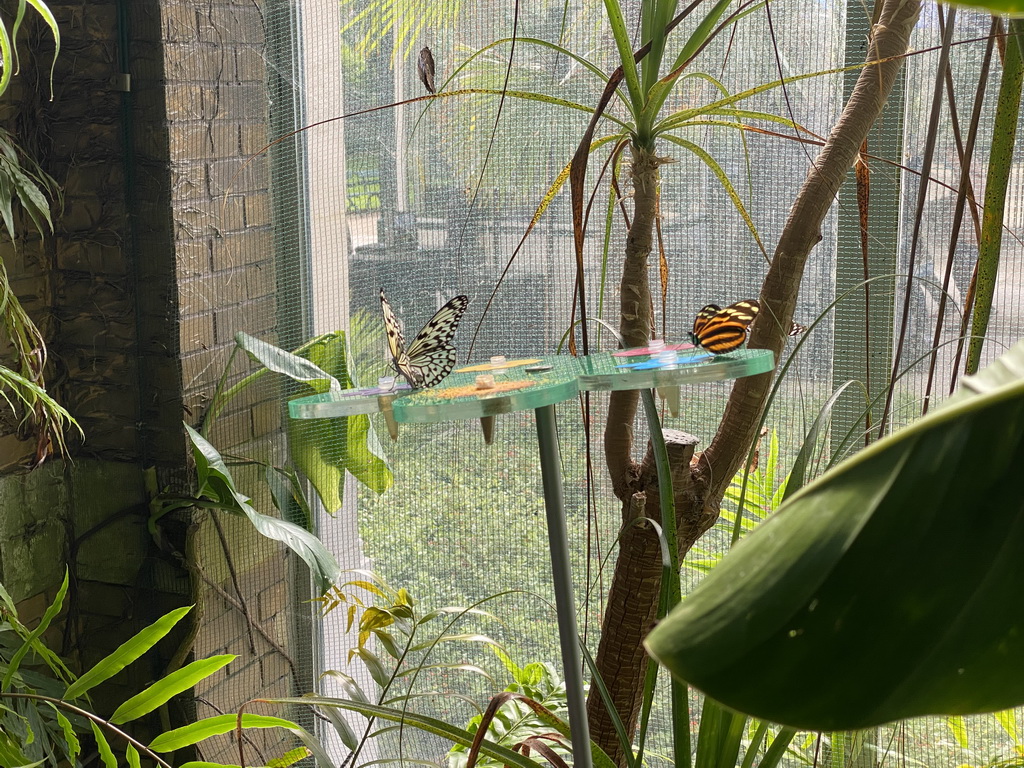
(665, 368)
(485, 390)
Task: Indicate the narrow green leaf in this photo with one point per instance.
(427, 724)
(349, 685)
(51, 21)
(290, 757)
(126, 653)
(341, 726)
(958, 727)
(289, 497)
(779, 746)
(70, 737)
(6, 200)
(163, 690)
(44, 623)
(1000, 162)
(103, 747)
(390, 646)
(193, 733)
(726, 183)
(803, 456)
(6, 58)
(32, 199)
(380, 675)
(1007, 720)
(7, 600)
(132, 756)
(624, 45)
(317, 750)
(998, 7)
(278, 360)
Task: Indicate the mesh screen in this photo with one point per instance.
(430, 199)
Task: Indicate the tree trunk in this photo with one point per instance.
(699, 485)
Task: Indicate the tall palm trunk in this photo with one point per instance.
(699, 485)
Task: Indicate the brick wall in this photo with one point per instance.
(217, 109)
(163, 251)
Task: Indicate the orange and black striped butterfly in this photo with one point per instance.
(721, 330)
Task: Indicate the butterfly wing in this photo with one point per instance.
(702, 319)
(796, 329)
(726, 329)
(396, 342)
(431, 357)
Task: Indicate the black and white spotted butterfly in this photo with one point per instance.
(430, 357)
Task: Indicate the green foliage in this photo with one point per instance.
(462, 538)
(45, 718)
(401, 646)
(217, 490)
(997, 7)
(515, 723)
(1000, 161)
(322, 451)
(22, 180)
(1006, 722)
(835, 573)
(9, 33)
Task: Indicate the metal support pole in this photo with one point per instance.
(565, 604)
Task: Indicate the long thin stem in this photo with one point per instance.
(926, 169)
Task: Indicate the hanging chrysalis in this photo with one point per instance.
(425, 68)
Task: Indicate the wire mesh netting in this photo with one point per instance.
(431, 199)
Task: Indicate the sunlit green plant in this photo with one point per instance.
(514, 723)
(398, 643)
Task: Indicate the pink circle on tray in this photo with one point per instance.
(648, 351)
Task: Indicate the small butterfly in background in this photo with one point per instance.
(721, 330)
(796, 329)
(425, 68)
(430, 357)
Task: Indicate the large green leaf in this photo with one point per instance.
(126, 653)
(217, 486)
(195, 732)
(888, 588)
(323, 449)
(280, 361)
(164, 689)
